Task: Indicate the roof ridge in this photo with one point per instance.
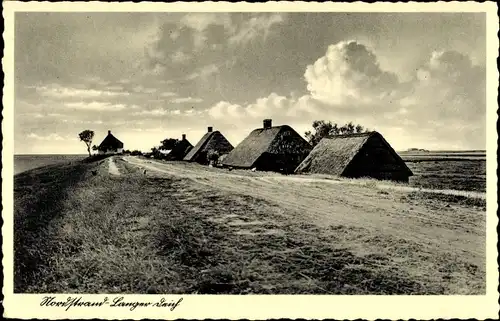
(370, 133)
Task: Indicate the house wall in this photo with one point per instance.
(111, 151)
(286, 152)
(282, 163)
(201, 158)
(377, 161)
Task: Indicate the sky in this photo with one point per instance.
(417, 78)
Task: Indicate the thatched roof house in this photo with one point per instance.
(211, 141)
(356, 155)
(110, 145)
(180, 150)
(278, 148)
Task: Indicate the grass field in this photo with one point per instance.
(443, 155)
(140, 226)
(461, 175)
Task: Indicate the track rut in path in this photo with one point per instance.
(328, 202)
(113, 169)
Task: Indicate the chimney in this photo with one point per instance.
(210, 129)
(268, 123)
(183, 136)
(109, 132)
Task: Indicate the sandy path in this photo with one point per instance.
(328, 202)
(185, 172)
(113, 170)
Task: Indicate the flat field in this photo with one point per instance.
(132, 225)
(465, 175)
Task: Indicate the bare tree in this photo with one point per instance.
(86, 136)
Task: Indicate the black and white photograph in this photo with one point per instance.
(181, 154)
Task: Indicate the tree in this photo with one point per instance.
(324, 128)
(86, 136)
(95, 148)
(169, 143)
(136, 153)
(155, 151)
(212, 155)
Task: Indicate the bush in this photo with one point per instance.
(212, 156)
(136, 153)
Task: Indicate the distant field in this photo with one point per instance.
(26, 162)
(451, 174)
(445, 152)
(442, 155)
(458, 170)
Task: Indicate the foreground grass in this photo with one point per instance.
(243, 245)
(148, 233)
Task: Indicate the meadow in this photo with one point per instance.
(467, 175)
(26, 162)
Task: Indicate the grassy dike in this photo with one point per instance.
(151, 233)
(40, 202)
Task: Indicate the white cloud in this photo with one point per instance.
(201, 21)
(347, 84)
(180, 57)
(96, 80)
(174, 34)
(156, 71)
(157, 112)
(153, 112)
(255, 27)
(186, 100)
(191, 112)
(168, 94)
(58, 91)
(448, 88)
(115, 87)
(144, 90)
(42, 115)
(349, 73)
(81, 121)
(223, 110)
(52, 136)
(204, 72)
(272, 106)
(96, 105)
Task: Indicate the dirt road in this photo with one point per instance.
(113, 170)
(433, 224)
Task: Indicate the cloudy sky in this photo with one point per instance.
(418, 78)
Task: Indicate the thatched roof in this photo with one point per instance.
(333, 154)
(282, 140)
(212, 140)
(180, 150)
(110, 142)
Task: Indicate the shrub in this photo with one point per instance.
(212, 156)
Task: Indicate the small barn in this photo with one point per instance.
(110, 145)
(180, 150)
(212, 141)
(355, 156)
(278, 148)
